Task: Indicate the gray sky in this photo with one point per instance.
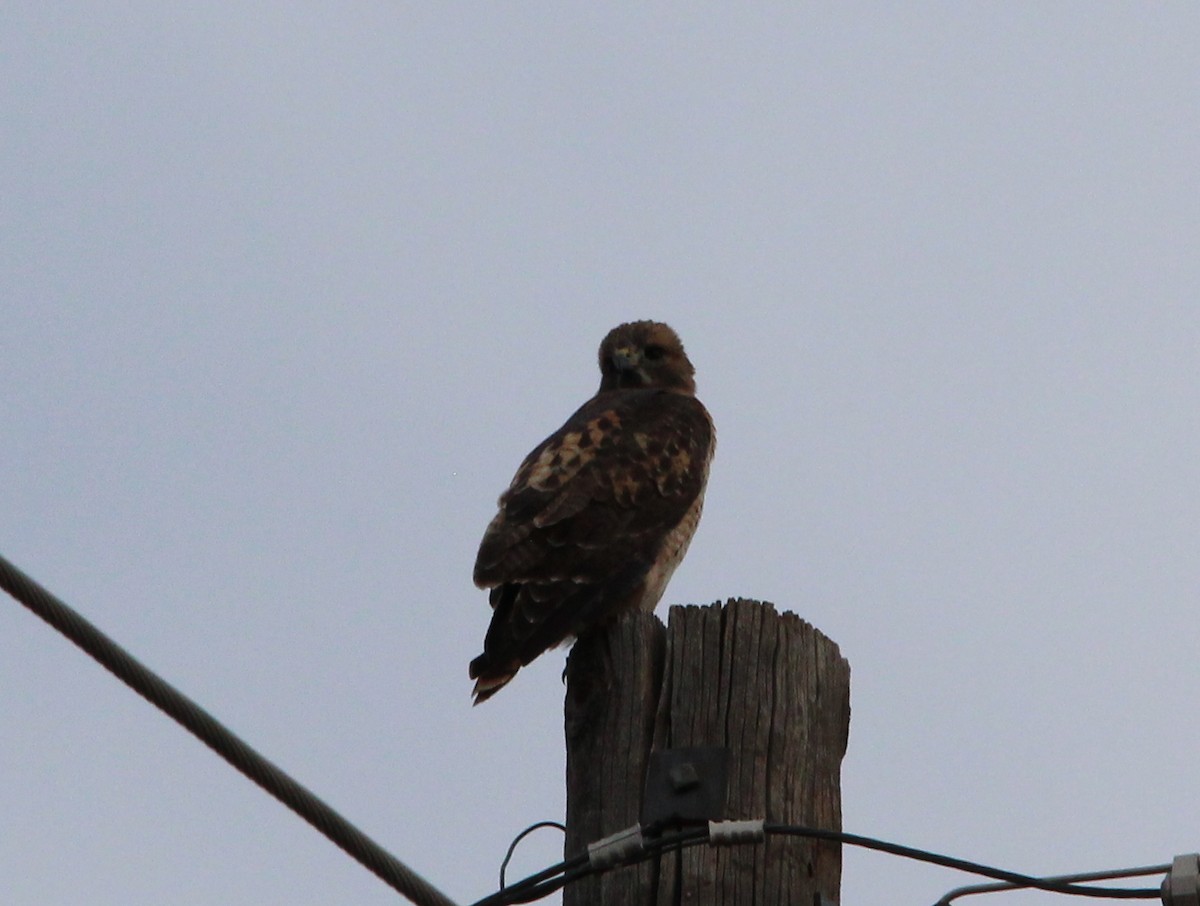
(289, 289)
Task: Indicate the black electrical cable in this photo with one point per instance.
(554, 878)
(987, 871)
(220, 739)
(548, 880)
(512, 847)
(516, 893)
(1108, 874)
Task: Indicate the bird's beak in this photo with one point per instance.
(626, 359)
(628, 362)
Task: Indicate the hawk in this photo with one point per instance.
(602, 511)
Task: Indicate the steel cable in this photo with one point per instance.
(219, 738)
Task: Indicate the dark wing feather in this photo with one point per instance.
(584, 519)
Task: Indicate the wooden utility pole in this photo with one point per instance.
(766, 686)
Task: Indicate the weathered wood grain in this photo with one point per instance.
(766, 685)
(613, 681)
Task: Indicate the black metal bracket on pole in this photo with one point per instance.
(685, 786)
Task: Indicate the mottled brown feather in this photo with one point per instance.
(600, 513)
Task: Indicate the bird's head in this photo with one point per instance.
(645, 354)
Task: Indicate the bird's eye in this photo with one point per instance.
(655, 352)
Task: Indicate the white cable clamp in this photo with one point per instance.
(616, 848)
(1181, 887)
(727, 833)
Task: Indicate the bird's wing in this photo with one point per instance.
(587, 514)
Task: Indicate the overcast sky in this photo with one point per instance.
(288, 290)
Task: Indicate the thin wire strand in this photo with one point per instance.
(512, 847)
(1106, 875)
(220, 739)
(988, 871)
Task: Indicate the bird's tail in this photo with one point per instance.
(489, 677)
